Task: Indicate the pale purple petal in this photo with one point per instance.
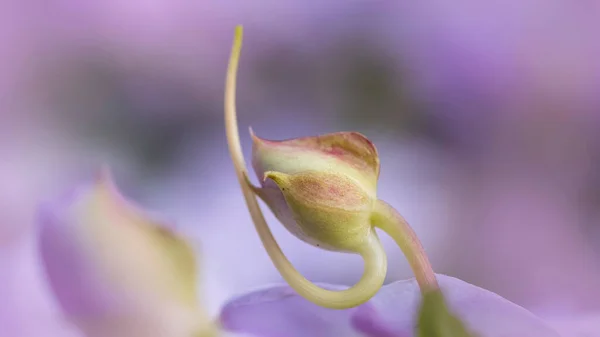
(581, 325)
(114, 270)
(484, 312)
(280, 312)
(367, 320)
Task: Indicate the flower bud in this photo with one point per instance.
(331, 209)
(321, 188)
(114, 271)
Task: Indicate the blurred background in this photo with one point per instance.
(486, 116)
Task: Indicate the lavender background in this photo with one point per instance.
(486, 116)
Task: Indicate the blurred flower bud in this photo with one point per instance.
(321, 188)
(114, 271)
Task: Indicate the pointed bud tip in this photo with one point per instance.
(277, 177)
(258, 141)
(255, 138)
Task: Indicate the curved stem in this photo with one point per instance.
(391, 222)
(372, 252)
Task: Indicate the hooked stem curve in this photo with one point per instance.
(372, 251)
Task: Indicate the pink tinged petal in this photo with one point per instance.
(279, 312)
(484, 312)
(347, 152)
(115, 272)
(350, 147)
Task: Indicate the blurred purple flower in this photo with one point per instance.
(116, 272)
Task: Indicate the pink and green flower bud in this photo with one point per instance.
(321, 188)
(116, 272)
(331, 210)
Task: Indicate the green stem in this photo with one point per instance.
(391, 222)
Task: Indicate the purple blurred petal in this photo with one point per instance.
(69, 274)
(25, 297)
(484, 312)
(367, 320)
(581, 325)
(114, 270)
(278, 311)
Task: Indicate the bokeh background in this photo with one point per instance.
(486, 116)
